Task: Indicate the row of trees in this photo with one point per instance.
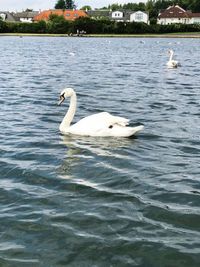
(65, 4)
(57, 24)
(152, 6)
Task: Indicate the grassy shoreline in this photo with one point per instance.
(168, 35)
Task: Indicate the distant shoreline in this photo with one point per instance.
(169, 35)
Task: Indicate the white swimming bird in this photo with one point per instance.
(172, 63)
(100, 124)
(72, 54)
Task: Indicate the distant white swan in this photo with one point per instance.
(172, 63)
(100, 124)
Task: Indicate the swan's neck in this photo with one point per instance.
(69, 115)
(171, 55)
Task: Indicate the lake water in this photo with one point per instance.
(82, 201)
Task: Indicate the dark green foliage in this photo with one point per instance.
(134, 6)
(3, 26)
(70, 4)
(60, 4)
(86, 8)
(65, 4)
(57, 24)
(87, 25)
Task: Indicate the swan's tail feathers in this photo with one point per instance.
(136, 130)
(121, 121)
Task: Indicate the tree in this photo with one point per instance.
(57, 24)
(65, 4)
(115, 7)
(86, 8)
(2, 25)
(60, 4)
(70, 4)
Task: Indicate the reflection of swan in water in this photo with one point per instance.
(84, 147)
(100, 124)
(172, 63)
(102, 154)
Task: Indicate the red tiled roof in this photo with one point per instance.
(195, 15)
(174, 12)
(68, 14)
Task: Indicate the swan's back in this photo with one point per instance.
(172, 64)
(103, 124)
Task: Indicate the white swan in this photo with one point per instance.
(172, 63)
(100, 124)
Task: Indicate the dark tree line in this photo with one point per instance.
(57, 24)
(152, 6)
(65, 4)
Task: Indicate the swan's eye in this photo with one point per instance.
(62, 96)
(111, 126)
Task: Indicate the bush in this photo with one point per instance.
(3, 26)
(58, 24)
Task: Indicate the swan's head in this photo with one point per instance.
(67, 92)
(170, 52)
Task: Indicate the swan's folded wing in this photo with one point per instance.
(106, 119)
(97, 123)
(120, 121)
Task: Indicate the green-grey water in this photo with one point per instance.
(83, 201)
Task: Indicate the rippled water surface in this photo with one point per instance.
(82, 201)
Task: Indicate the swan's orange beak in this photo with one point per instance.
(62, 98)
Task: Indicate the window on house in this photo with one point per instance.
(75, 15)
(67, 15)
(139, 16)
(3, 16)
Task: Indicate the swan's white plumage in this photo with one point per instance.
(100, 124)
(172, 63)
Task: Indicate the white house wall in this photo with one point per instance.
(139, 17)
(195, 20)
(3, 16)
(167, 21)
(25, 19)
(117, 15)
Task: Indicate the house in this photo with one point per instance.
(99, 14)
(120, 15)
(8, 16)
(195, 18)
(130, 16)
(67, 14)
(140, 16)
(176, 14)
(26, 16)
